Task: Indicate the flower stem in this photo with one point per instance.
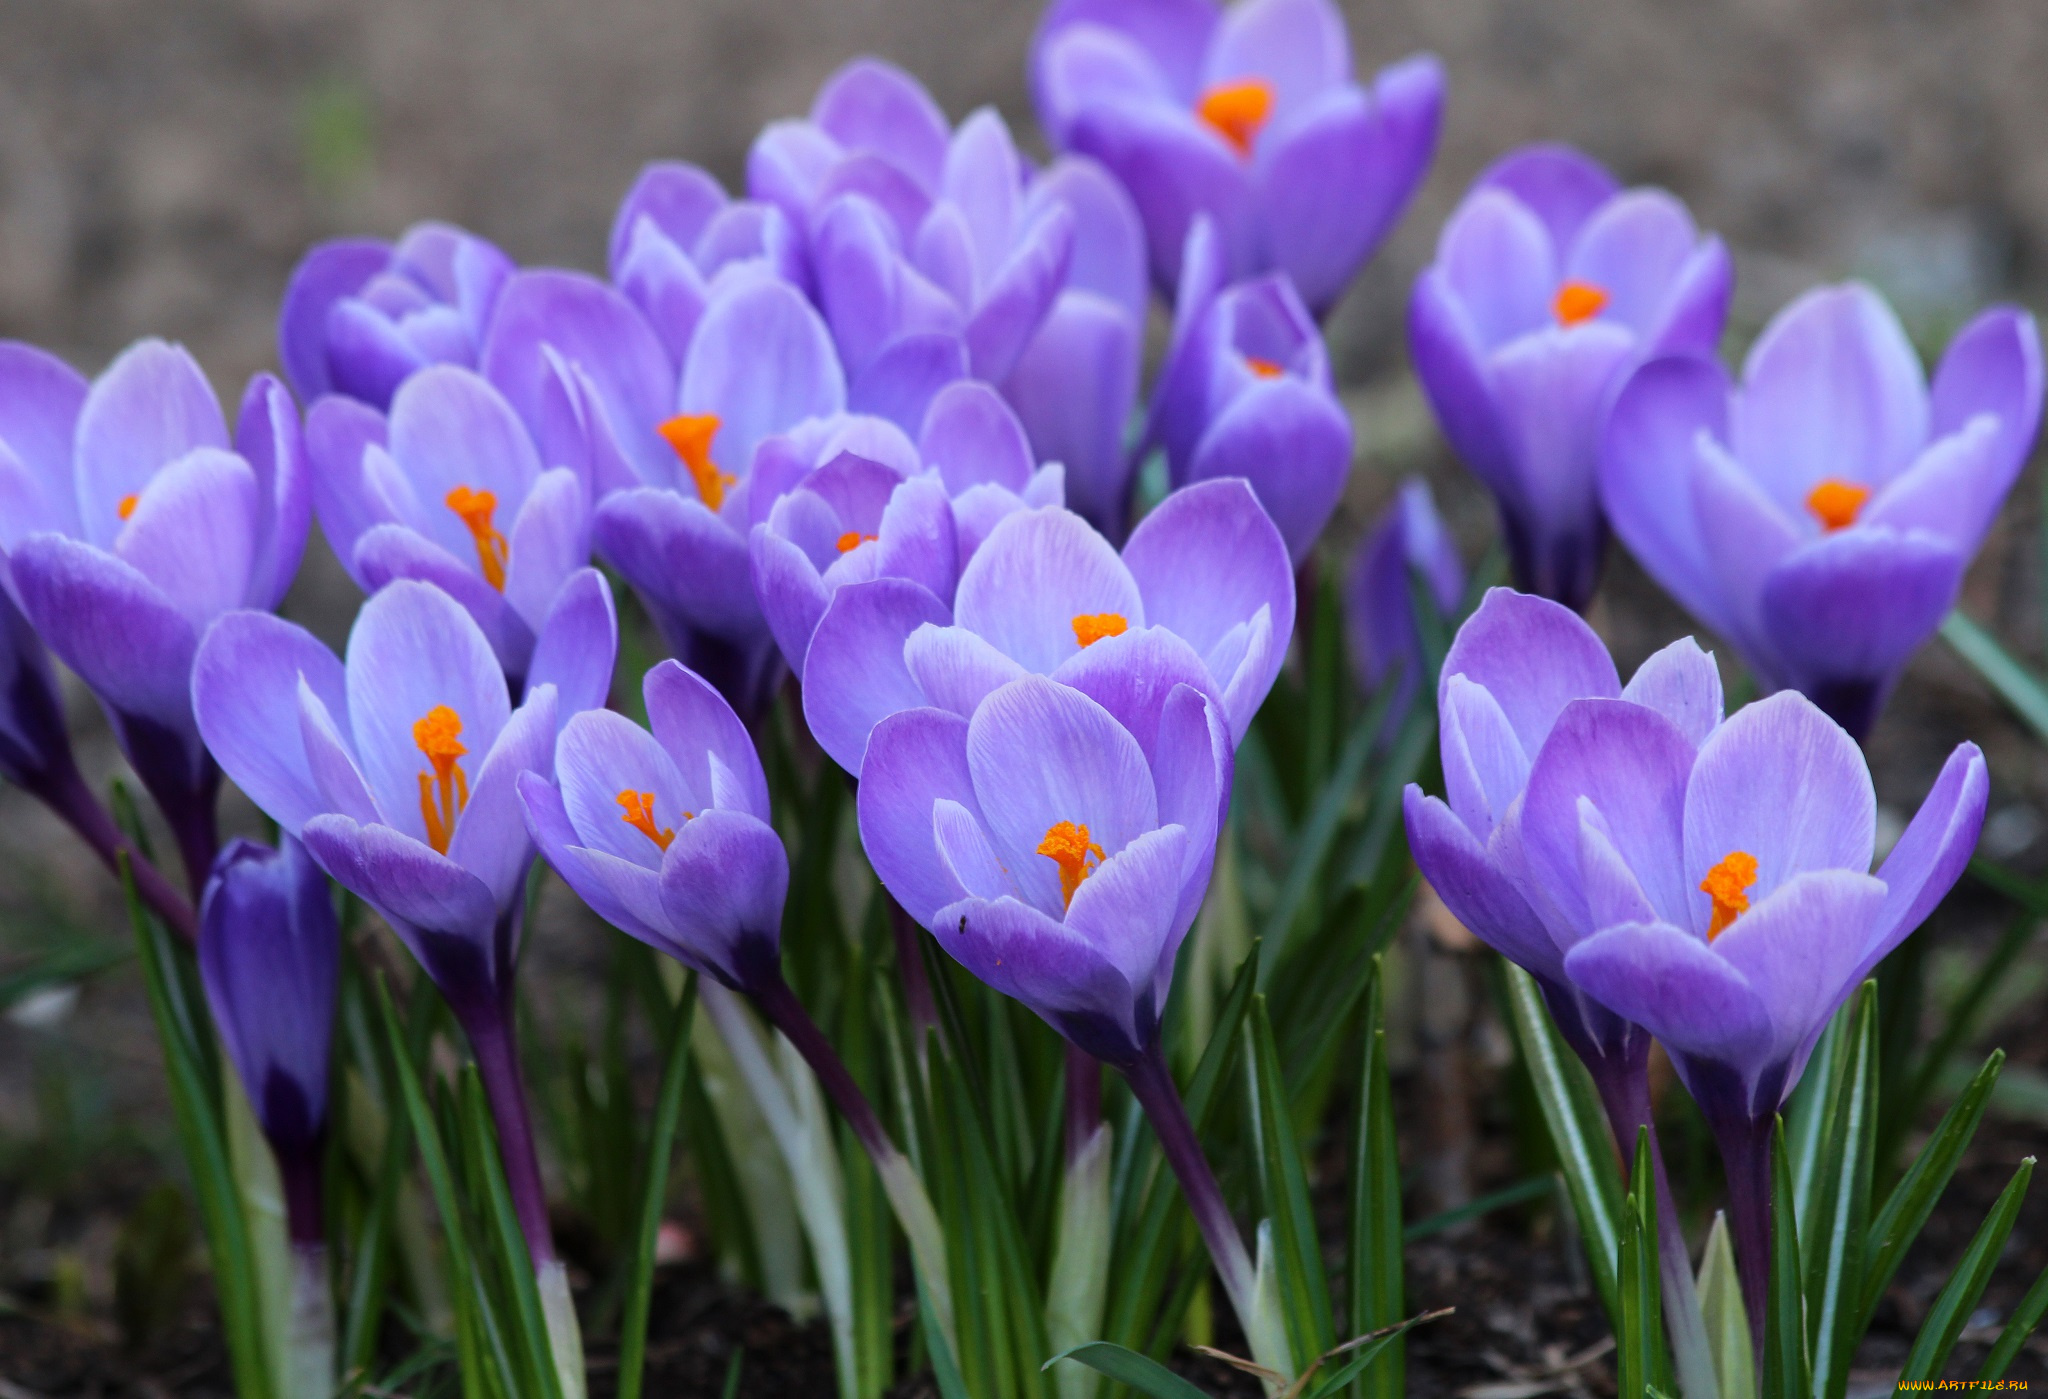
(497, 1064)
(1746, 1157)
(1084, 1101)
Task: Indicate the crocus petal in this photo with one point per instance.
(964, 845)
(1696, 307)
(914, 759)
(368, 355)
(1561, 186)
(1456, 866)
(1831, 389)
(1293, 444)
(1932, 853)
(869, 105)
(40, 398)
(245, 683)
(1132, 675)
(391, 552)
(1817, 604)
(1633, 248)
(1534, 656)
(330, 757)
(854, 673)
(1019, 293)
(627, 896)
(761, 361)
(414, 649)
(1074, 388)
(1676, 987)
(1745, 535)
(548, 541)
(696, 725)
(193, 533)
(1109, 236)
(338, 433)
(1992, 366)
(915, 537)
(442, 911)
(677, 197)
(1682, 683)
(450, 429)
(1781, 782)
(268, 436)
(1125, 909)
(723, 881)
(955, 668)
(1612, 893)
(490, 838)
(1449, 360)
(1042, 754)
(972, 437)
(125, 638)
(683, 559)
(1485, 765)
(900, 382)
(578, 644)
(1798, 948)
(1087, 64)
(791, 594)
(1500, 265)
(328, 272)
(1952, 490)
(151, 406)
(1175, 169)
(1037, 571)
(601, 756)
(1025, 954)
(1174, 34)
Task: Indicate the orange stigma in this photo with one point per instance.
(852, 540)
(1836, 503)
(475, 509)
(1237, 110)
(1067, 845)
(127, 505)
(640, 816)
(1264, 368)
(1727, 884)
(444, 791)
(1091, 627)
(690, 434)
(1578, 301)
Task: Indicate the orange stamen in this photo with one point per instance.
(1067, 845)
(1727, 884)
(852, 540)
(1264, 368)
(1091, 627)
(475, 509)
(444, 791)
(127, 505)
(1237, 111)
(1837, 503)
(1578, 301)
(690, 434)
(640, 816)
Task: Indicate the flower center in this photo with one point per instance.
(639, 815)
(1727, 884)
(443, 791)
(1091, 627)
(474, 509)
(690, 434)
(852, 540)
(1578, 301)
(1836, 503)
(1067, 845)
(127, 505)
(1264, 368)
(1237, 110)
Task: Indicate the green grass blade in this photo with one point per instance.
(1578, 1131)
(1962, 1020)
(1374, 1259)
(2025, 1317)
(1727, 1323)
(481, 1145)
(1906, 1210)
(1639, 1339)
(1311, 845)
(1786, 1375)
(1520, 1193)
(2014, 683)
(1951, 1310)
(1141, 1373)
(1283, 1181)
(1833, 1235)
(668, 1110)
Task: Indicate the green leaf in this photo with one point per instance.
(1728, 1339)
(1962, 1019)
(668, 1109)
(1951, 1310)
(2025, 1317)
(1785, 1374)
(1311, 843)
(1534, 1188)
(1639, 1340)
(1283, 1184)
(480, 1139)
(1374, 1260)
(1906, 1210)
(2015, 684)
(1833, 1234)
(1141, 1373)
(1578, 1130)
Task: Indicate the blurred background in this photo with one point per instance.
(164, 164)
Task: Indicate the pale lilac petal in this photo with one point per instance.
(391, 552)
(1992, 366)
(678, 198)
(761, 361)
(914, 759)
(1018, 294)
(548, 541)
(869, 105)
(150, 407)
(1023, 953)
(490, 839)
(900, 383)
(1133, 675)
(578, 644)
(723, 882)
(1074, 388)
(1534, 657)
(1498, 263)
(1449, 359)
(1293, 444)
(626, 896)
(964, 846)
(1611, 891)
(1485, 766)
(1456, 866)
(193, 533)
(1208, 559)
(245, 685)
(1676, 987)
(1696, 306)
(1085, 64)
(791, 594)
(1781, 782)
(1126, 908)
(601, 754)
(1175, 169)
(328, 272)
(787, 164)
(1109, 236)
(338, 433)
(1745, 536)
(1561, 186)
(1682, 683)
(854, 673)
(1297, 46)
(955, 668)
(685, 560)
(1798, 948)
(1931, 855)
(1633, 248)
(450, 429)
(696, 725)
(984, 181)
(972, 437)
(1037, 571)
(40, 399)
(100, 616)
(1817, 605)
(269, 437)
(1952, 490)
(330, 757)
(420, 891)
(1174, 34)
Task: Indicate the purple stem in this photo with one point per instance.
(1152, 1083)
(299, 1171)
(65, 792)
(1084, 1100)
(1746, 1157)
(497, 1063)
(787, 1014)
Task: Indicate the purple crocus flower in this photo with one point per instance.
(670, 449)
(397, 769)
(676, 230)
(880, 506)
(449, 488)
(270, 958)
(361, 315)
(1550, 284)
(1821, 515)
(1246, 391)
(1248, 115)
(1202, 595)
(1409, 541)
(131, 520)
(927, 256)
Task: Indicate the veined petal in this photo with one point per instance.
(1456, 866)
(193, 533)
(1534, 657)
(1680, 990)
(150, 407)
(490, 838)
(105, 620)
(854, 673)
(602, 754)
(915, 759)
(723, 882)
(973, 437)
(955, 668)
(1036, 572)
(245, 686)
(1485, 765)
(695, 724)
(1682, 683)
(1932, 853)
